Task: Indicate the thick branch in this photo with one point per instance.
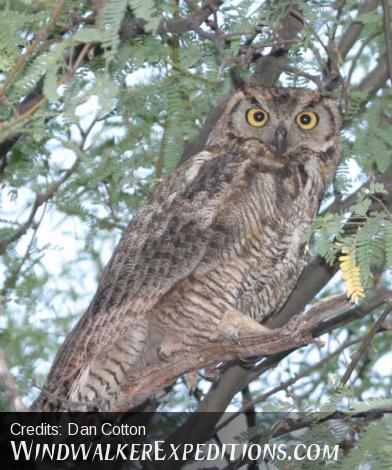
(135, 27)
(353, 32)
(269, 67)
(236, 378)
(288, 383)
(296, 333)
(376, 78)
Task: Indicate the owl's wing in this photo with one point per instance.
(184, 228)
(178, 232)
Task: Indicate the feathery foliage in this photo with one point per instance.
(97, 101)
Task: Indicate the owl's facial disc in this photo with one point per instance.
(284, 119)
(287, 120)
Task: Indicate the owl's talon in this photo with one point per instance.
(234, 338)
(211, 374)
(191, 381)
(228, 332)
(235, 324)
(247, 362)
(169, 346)
(162, 355)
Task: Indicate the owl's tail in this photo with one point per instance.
(95, 385)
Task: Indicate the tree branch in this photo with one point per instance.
(375, 79)
(349, 316)
(130, 28)
(353, 32)
(268, 69)
(296, 333)
(32, 47)
(290, 423)
(135, 27)
(234, 378)
(202, 429)
(40, 199)
(365, 345)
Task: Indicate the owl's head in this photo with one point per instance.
(288, 120)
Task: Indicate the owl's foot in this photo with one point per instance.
(211, 374)
(235, 324)
(191, 381)
(169, 346)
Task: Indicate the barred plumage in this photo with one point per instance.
(216, 248)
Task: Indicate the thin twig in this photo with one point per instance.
(290, 423)
(13, 275)
(40, 199)
(332, 34)
(22, 118)
(288, 383)
(358, 55)
(31, 48)
(365, 345)
(301, 73)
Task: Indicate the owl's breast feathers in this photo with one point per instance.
(219, 208)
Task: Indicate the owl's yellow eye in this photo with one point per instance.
(307, 120)
(257, 117)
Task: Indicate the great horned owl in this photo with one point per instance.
(216, 249)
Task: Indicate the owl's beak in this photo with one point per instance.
(281, 139)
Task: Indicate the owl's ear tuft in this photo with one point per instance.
(238, 82)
